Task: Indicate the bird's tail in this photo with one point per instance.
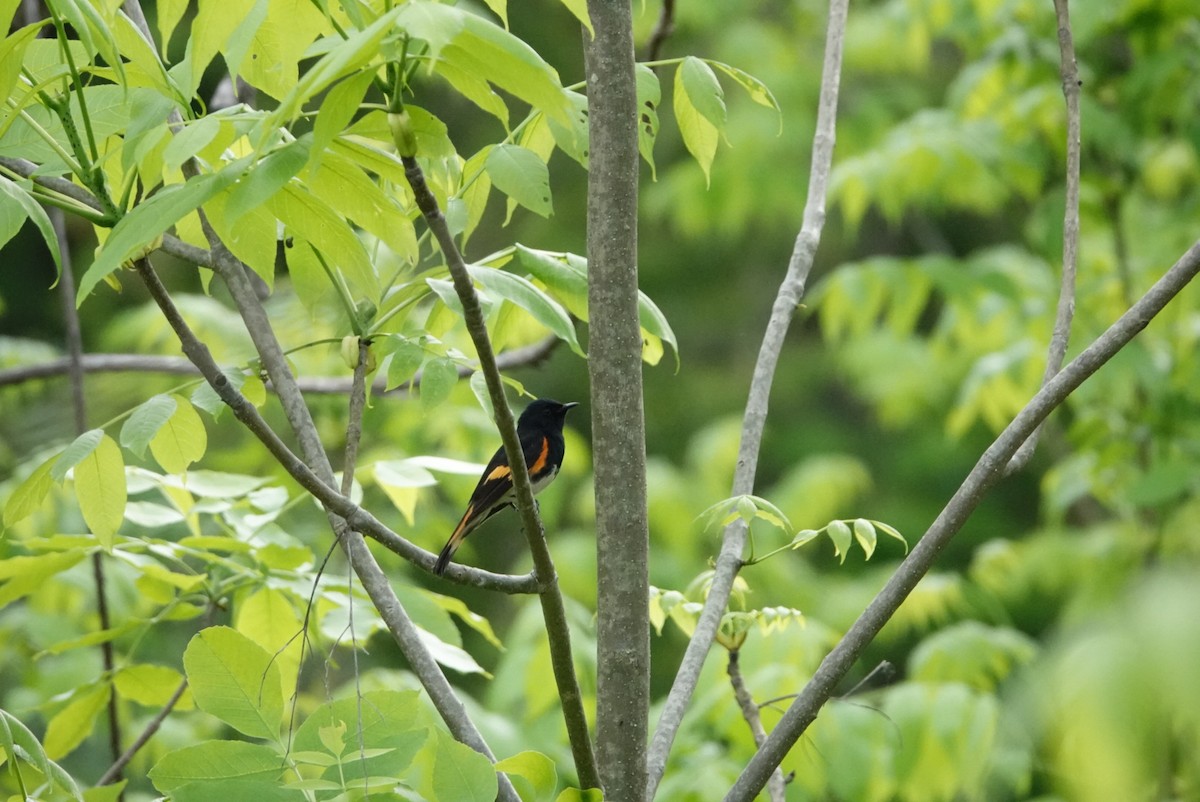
(456, 539)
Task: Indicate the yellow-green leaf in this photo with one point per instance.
(100, 489)
(75, 722)
(180, 441)
(235, 679)
(29, 494)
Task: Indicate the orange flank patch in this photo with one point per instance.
(457, 536)
(499, 472)
(539, 464)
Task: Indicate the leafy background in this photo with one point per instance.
(1052, 653)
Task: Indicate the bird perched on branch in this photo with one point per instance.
(540, 430)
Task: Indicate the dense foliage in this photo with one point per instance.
(1052, 654)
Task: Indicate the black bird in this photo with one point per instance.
(540, 429)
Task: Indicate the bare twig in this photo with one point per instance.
(74, 338)
(776, 786)
(347, 520)
(553, 610)
(1066, 294)
(321, 385)
(113, 774)
(662, 30)
(986, 473)
(729, 561)
(877, 677)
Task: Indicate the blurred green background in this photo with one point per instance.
(1052, 653)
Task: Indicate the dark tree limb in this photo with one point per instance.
(553, 609)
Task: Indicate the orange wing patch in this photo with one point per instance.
(499, 472)
(539, 464)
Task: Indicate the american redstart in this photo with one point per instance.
(540, 430)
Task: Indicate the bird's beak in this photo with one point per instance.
(570, 404)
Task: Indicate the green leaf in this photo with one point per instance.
(216, 760)
(839, 533)
(350, 55)
(864, 533)
(75, 722)
(458, 607)
(150, 218)
(313, 220)
(141, 426)
(12, 54)
(580, 795)
(521, 292)
(20, 576)
(746, 509)
(71, 456)
(205, 397)
(182, 440)
(519, 173)
(438, 378)
(565, 274)
(268, 176)
(460, 773)
(500, 9)
(649, 95)
(20, 744)
(407, 356)
(235, 679)
(170, 13)
(146, 684)
(189, 140)
(804, 536)
(579, 9)
(390, 728)
(100, 489)
(755, 88)
(29, 495)
(464, 46)
(251, 236)
(347, 188)
(269, 59)
(891, 532)
(565, 280)
(13, 201)
(338, 109)
(268, 617)
(699, 111)
(535, 767)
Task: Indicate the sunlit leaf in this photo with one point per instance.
(100, 489)
(236, 680)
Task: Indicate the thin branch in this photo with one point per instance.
(74, 338)
(986, 473)
(553, 610)
(321, 385)
(662, 30)
(359, 519)
(777, 785)
(729, 561)
(877, 677)
(114, 771)
(62, 186)
(347, 520)
(1066, 294)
